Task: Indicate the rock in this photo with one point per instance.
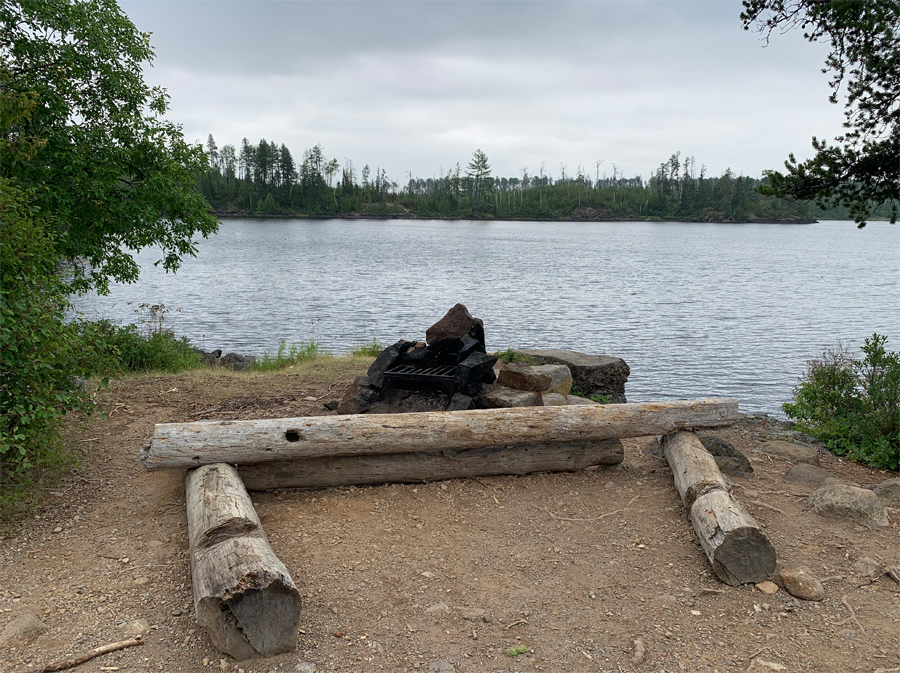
(730, 461)
(654, 448)
(236, 362)
(800, 582)
(476, 369)
(305, 667)
(385, 359)
(792, 452)
(442, 666)
(768, 588)
(868, 567)
(474, 615)
(23, 630)
(760, 666)
(141, 581)
(554, 400)
(591, 374)
(138, 627)
(848, 502)
(460, 402)
(456, 324)
(889, 491)
(574, 399)
(438, 608)
(804, 473)
(332, 405)
(560, 378)
(507, 397)
(354, 405)
(522, 377)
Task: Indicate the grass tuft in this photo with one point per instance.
(287, 356)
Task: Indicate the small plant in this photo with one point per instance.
(510, 355)
(601, 399)
(853, 405)
(367, 350)
(287, 356)
(515, 651)
(125, 349)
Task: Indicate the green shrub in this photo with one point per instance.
(125, 349)
(43, 359)
(367, 350)
(510, 355)
(287, 356)
(853, 405)
(601, 399)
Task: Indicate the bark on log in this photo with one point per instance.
(422, 466)
(243, 595)
(740, 552)
(184, 445)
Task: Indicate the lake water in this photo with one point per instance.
(696, 310)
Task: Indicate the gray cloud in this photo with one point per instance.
(417, 86)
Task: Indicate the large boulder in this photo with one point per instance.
(804, 473)
(591, 374)
(560, 378)
(843, 501)
(522, 377)
(458, 323)
(507, 397)
(730, 461)
(385, 359)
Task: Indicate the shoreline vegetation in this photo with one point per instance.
(264, 180)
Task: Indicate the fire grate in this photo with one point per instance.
(442, 375)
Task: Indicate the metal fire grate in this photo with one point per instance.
(442, 375)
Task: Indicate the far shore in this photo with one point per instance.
(408, 216)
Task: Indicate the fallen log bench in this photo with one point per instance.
(739, 550)
(187, 445)
(243, 595)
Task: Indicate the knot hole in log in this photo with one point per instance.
(292, 435)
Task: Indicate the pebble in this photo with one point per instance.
(138, 627)
(867, 567)
(800, 582)
(474, 615)
(305, 667)
(768, 588)
(223, 664)
(141, 581)
(760, 666)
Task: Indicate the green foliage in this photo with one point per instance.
(515, 651)
(510, 355)
(861, 171)
(41, 355)
(853, 405)
(287, 356)
(90, 137)
(601, 399)
(367, 350)
(125, 349)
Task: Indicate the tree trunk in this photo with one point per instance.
(243, 594)
(422, 466)
(184, 445)
(737, 547)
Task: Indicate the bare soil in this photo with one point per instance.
(572, 567)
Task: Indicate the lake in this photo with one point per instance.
(696, 309)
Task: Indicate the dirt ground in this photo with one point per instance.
(440, 577)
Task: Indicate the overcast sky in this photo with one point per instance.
(419, 85)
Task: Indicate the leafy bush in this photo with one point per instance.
(367, 350)
(287, 356)
(125, 349)
(601, 399)
(43, 359)
(853, 405)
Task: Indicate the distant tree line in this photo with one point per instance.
(265, 179)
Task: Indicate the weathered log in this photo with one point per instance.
(427, 466)
(739, 550)
(243, 595)
(694, 468)
(182, 445)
